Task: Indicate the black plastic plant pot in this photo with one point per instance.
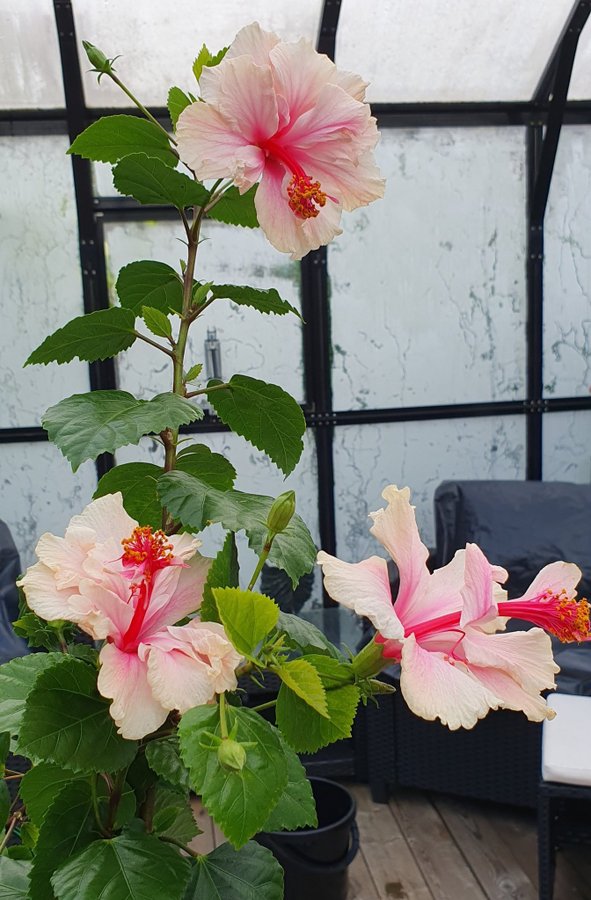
(315, 860)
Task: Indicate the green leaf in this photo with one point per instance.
(38, 632)
(223, 572)
(239, 801)
(177, 101)
(247, 617)
(97, 335)
(149, 283)
(86, 425)
(133, 866)
(265, 301)
(68, 827)
(111, 138)
(84, 652)
(303, 679)
(194, 372)
(137, 483)
(304, 636)
(301, 726)
(17, 679)
(173, 816)
(194, 503)
(212, 468)
(266, 415)
(5, 803)
(14, 878)
(234, 208)
(150, 180)
(205, 58)
(251, 873)
(4, 750)
(157, 322)
(41, 785)
(296, 807)
(67, 722)
(164, 759)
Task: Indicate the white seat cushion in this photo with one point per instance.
(566, 740)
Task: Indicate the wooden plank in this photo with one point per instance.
(481, 843)
(393, 867)
(443, 866)
(361, 886)
(203, 843)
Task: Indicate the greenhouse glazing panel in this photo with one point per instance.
(567, 269)
(171, 37)
(428, 285)
(567, 447)
(457, 51)
(262, 346)
(39, 493)
(39, 273)
(419, 455)
(31, 73)
(580, 83)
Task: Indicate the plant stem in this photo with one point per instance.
(208, 390)
(223, 722)
(152, 343)
(148, 808)
(260, 564)
(142, 108)
(189, 850)
(268, 705)
(95, 806)
(16, 818)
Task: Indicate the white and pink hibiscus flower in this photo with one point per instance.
(128, 586)
(283, 115)
(445, 627)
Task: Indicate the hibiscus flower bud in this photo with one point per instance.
(98, 59)
(281, 513)
(232, 755)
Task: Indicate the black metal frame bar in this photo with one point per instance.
(542, 117)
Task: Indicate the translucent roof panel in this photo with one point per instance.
(580, 83)
(30, 67)
(172, 35)
(459, 50)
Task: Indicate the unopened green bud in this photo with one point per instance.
(281, 513)
(232, 755)
(369, 661)
(97, 58)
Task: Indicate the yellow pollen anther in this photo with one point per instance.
(144, 545)
(305, 196)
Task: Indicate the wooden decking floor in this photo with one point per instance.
(434, 847)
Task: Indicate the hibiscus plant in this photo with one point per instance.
(153, 704)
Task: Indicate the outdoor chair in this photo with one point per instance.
(565, 790)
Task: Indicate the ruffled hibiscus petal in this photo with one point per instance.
(365, 588)
(43, 595)
(353, 84)
(525, 655)
(66, 556)
(253, 41)
(123, 678)
(177, 680)
(244, 95)
(103, 612)
(435, 689)
(512, 695)
(554, 578)
(477, 591)
(299, 75)
(334, 113)
(106, 516)
(176, 593)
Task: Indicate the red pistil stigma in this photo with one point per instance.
(305, 197)
(146, 547)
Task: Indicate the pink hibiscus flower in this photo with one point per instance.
(128, 586)
(284, 115)
(442, 626)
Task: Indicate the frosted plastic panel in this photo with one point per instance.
(567, 446)
(567, 269)
(420, 455)
(580, 83)
(428, 284)
(39, 273)
(39, 492)
(255, 475)
(30, 66)
(265, 347)
(159, 42)
(460, 50)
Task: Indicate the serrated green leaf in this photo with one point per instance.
(265, 301)
(194, 503)
(157, 322)
(41, 785)
(203, 57)
(177, 101)
(68, 827)
(300, 676)
(223, 572)
(14, 878)
(84, 652)
(251, 873)
(149, 283)
(97, 335)
(234, 208)
(111, 138)
(173, 816)
(17, 679)
(264, 414)
(163, 757)
(247, 617)
(38, 632)
(86, 425)
(29, 835)
(296, 807)
(212, 468)
(150, 180)
(137, 483)
(239, 801)
(194, 372)
(67, 722)
(133, 866)
(304, 636)
(4, 750)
